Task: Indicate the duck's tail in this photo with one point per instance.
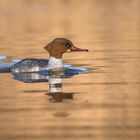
(4, 67)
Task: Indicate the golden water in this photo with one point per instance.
(106, 101)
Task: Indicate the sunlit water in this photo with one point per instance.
(103, 104)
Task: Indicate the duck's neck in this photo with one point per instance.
(55, 63)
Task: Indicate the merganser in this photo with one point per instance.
(56, 48)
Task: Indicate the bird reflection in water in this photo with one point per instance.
(60, 96)
(55, 79)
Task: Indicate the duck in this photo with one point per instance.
(56, 48)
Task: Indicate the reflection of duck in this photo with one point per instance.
(43, 76)
(56, 49)
(55, 87)
(59, 97)
(54, 78)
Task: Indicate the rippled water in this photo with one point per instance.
(102, 104)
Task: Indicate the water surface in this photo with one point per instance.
(101, 105)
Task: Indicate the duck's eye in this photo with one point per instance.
(68, 45)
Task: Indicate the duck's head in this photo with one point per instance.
(58, 46)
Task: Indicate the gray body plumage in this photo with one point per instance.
(30, 65)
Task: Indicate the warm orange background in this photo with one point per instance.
(106, 104)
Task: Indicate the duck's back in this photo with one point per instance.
(30, 65)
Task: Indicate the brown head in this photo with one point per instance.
(58, 46)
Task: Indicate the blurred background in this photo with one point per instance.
(106, 101)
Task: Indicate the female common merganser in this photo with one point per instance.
(56, 48)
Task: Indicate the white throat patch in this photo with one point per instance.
(54, 63)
